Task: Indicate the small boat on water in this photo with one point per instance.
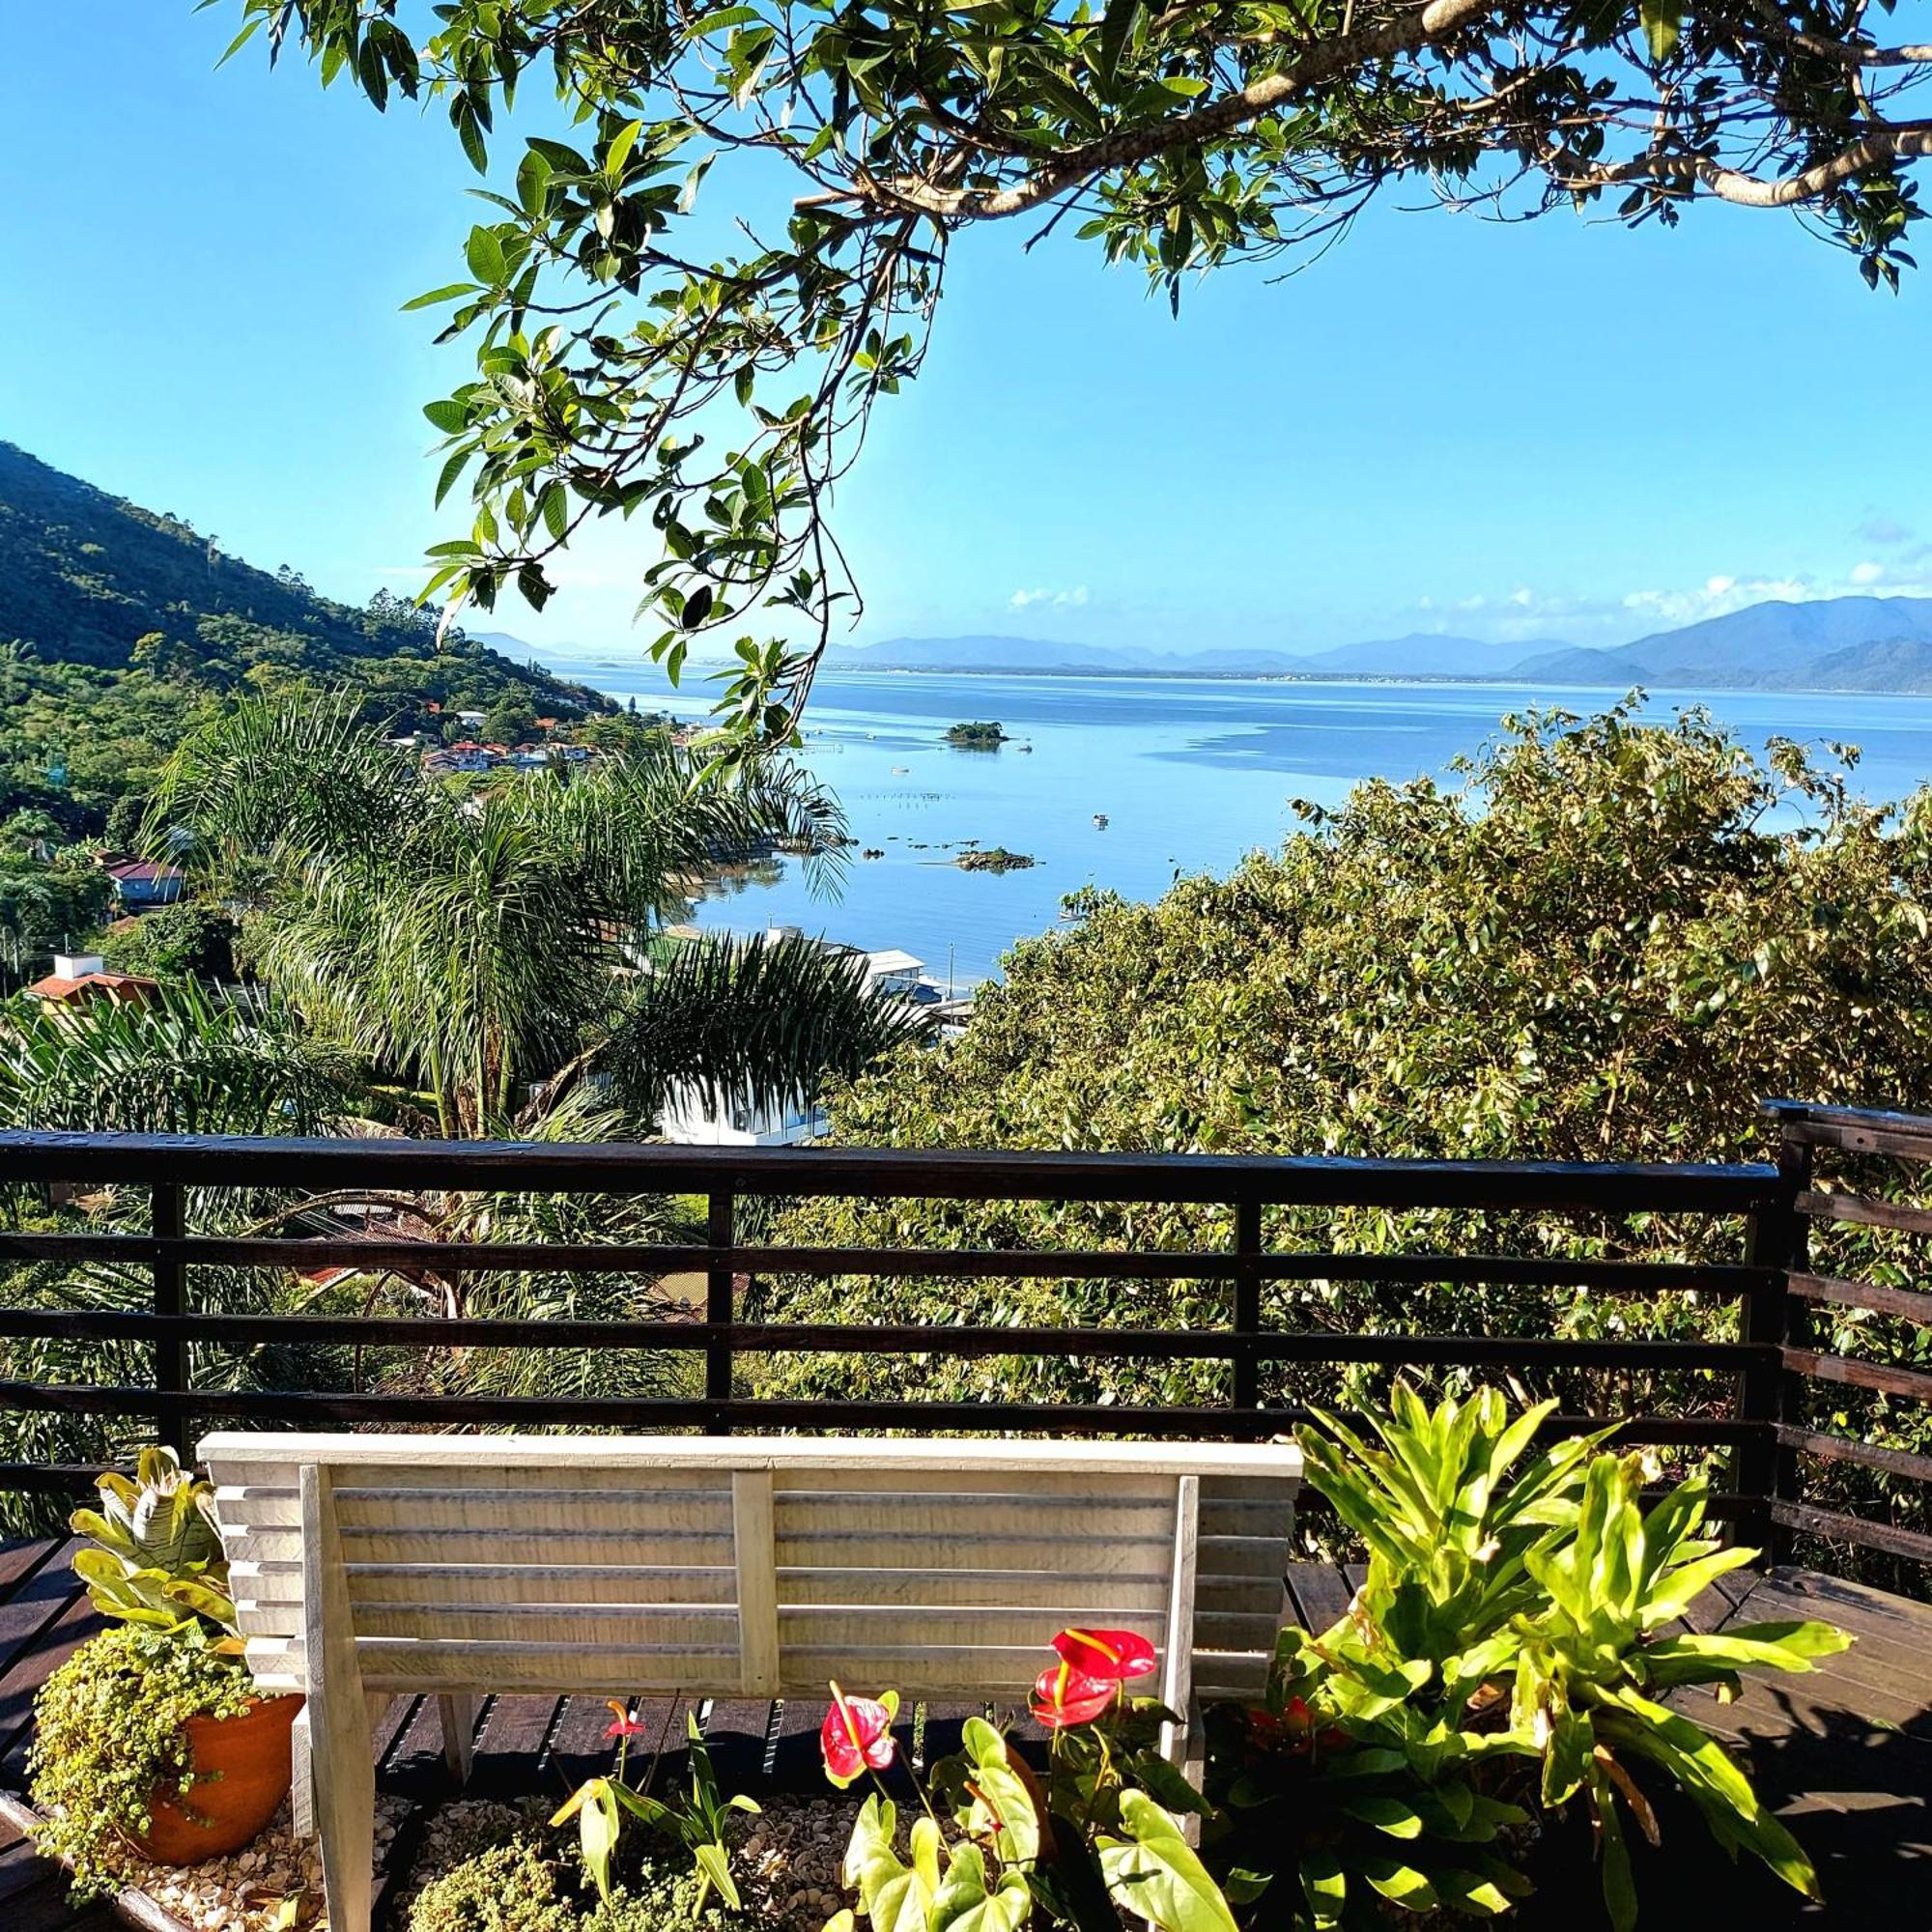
(899, 771)
(1100, 821)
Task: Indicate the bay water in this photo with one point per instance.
(1188, 773)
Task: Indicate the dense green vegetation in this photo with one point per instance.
(1607, 940)
(976, 735)
(430, 959)
(122, 631)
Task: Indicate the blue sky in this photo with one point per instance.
(1553, 430)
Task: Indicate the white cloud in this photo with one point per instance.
(1718, 596)
(1867, 572)
(1053, 600)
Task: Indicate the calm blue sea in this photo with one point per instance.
(1189, 773)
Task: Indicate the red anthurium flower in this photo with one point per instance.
(857, 1735)
(1107, 1656)
(624, 1725)
(1062, 1695)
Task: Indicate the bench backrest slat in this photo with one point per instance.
(748, 1567)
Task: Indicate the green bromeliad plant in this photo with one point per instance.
(1513, 1640)
(110, 1732)
(158, 1558)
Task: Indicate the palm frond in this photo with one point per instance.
(184, 1063)
(298, 773)
(760, 1023)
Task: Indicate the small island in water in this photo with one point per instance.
(981, 736)
(996, 859)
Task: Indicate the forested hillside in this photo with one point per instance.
(122, 628)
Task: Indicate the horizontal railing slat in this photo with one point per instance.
(1001, 1263)
(1866, 1455)
(1837, 1528)
(1854, 1129)
(838, 1417)
(855, 1338)
(1860, 1211)
(1915, 1384)
(1910, 1303)
(493, 1166)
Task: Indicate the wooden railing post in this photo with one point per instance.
(169, 1215)
(720, 1311)
(1247, 1375)
(1765, 1470)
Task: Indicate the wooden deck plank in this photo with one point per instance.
(1319, 1594)
(509, 1752)
(55, 1643)
(735, 1734)
(27, 1610)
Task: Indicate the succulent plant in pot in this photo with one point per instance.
(151, 1738)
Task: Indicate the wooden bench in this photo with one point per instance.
(367, 1566)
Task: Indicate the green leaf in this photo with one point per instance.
(1386, 1814)
(453, 293)
(485, 255)
(1401, 1884)
(1662, 24)
(619, 151)
(1117, 26)
(714, 1866)
(1155, 1873)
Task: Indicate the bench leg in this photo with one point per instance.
(345, 1816)
(341, 1757)
(458, 1713)
(302, 1788)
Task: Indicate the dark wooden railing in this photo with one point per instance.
(1760, 1214)
(1873, 1150)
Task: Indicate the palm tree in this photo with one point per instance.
(489, 947)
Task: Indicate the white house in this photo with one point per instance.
(692, 1117)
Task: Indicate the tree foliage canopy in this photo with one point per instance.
(615, 343)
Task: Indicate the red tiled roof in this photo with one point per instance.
(123, 988)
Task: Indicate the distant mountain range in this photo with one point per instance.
(1839, 644)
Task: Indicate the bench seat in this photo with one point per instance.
(364, 1566)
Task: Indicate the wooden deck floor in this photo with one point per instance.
(1844, 1754)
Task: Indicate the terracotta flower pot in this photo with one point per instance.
(242, 1773)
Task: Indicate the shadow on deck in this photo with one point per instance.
(1844, 1754)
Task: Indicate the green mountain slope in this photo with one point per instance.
(84, 577)
(121, 628)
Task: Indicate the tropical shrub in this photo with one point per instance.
(109, 1734)
(1516, 1617)
(1082, 1847)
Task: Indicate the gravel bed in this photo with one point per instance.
(787, 1862)
(270, 1885)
